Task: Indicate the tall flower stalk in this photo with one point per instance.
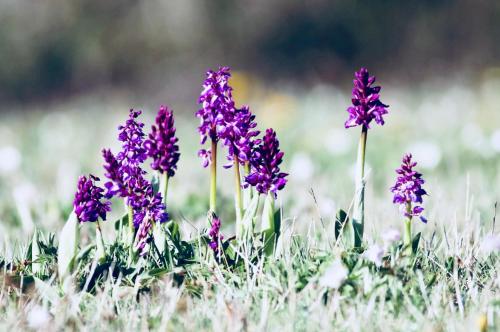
(90, 205)
(127, 180)
(213, 176)
(248, 193)
(216, 101)
(408, 194)
(239, 137)
(162, 148)
(268, 179)
(238, 198)
(366, 106)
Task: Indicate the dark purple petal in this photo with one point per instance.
(366, 103)
(88, 202)
(265, 173)
(215, 235)
(407, 189)
(216, 100)
(238, 134)
(127, 176)
(161, 145)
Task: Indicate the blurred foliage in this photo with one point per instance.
(55, 48)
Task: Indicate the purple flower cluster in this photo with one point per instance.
(236, 128)
(113, 172)
(148, 204)
(265, 173)
(239, 134)
(162, 143)
(215, 235)
(216, 100)
(408, 189)
(88, 202)
(127, 175)
(132, 136)
(142, 237)
(133, 153)
(365, 100)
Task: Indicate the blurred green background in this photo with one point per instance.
(57, 49)
(69, 72)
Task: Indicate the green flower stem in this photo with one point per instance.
(213, 176)
(101, 251)
(164, 187)
(358, 213)
(131, 231)
(238, 202)
(407, 233)
(130, 219)
(248, 192)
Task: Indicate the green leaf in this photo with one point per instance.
(68, 245)
(229, 251)
(35, 254)
(157, 272)
(415, 241)
(277, 223)
(175, 234)
(340, 220)
(121, 222)
(248, 221)
(269, 231)
(84, 253)
(358, 233)
(100, 247)
(159, 237)
(268, 214)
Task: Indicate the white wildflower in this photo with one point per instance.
(334, 275)
(374, 254)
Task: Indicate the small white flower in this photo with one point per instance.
(334, 275)
(374, 254)
(490, 243)
(391, 236)
(38, 317)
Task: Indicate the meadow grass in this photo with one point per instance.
(452, 283)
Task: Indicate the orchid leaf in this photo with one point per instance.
(68, 245)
